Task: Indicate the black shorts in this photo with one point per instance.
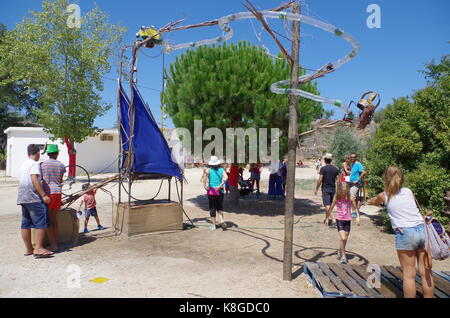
(215, 204)
(343, 225)
(328, 196)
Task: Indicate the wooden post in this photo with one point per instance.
(292, 151)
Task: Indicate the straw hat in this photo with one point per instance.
(328, 156)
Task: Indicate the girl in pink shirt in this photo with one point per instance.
(90, 207)
(343, 204)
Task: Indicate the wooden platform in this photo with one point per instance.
(336, 280)
(143, 217)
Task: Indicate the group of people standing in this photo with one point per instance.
(40, 198)
(340, 188)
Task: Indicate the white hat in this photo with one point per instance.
(214, 161)
(328, 156)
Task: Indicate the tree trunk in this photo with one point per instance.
(70, 143)
(292, 152)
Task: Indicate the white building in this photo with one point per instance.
(95, 154)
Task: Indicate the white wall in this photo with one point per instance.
(17, 143)
(94, 155)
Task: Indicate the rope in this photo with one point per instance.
(123, 186)
(179, 199)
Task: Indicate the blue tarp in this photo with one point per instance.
(151, 151)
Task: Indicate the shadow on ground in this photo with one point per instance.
(261, 205)
(301, 254)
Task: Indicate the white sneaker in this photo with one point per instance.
(344, 260)
(212, 227)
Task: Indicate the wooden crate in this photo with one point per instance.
(142, 217)
(68, 228)
(336, 280)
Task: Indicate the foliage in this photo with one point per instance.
(379, 115)
(344, 142)
(429, 183)
(414, 136)
(64, 65)
(386, 221)
(15, 102)
(228, 86)
(434, 71)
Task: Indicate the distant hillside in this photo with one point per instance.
(316, 144)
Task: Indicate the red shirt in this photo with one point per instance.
(234, 175)
(89, 200)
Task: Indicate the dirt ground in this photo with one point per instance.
(244, 261)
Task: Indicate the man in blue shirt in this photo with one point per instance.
(356, 175)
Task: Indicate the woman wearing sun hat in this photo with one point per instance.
(213, 179)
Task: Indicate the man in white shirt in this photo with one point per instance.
(32, 198)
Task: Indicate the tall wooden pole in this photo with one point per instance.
(292, 151)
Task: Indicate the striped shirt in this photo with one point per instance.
(52, 174)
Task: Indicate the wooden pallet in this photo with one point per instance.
(350, 281)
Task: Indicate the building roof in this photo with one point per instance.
(112, 131)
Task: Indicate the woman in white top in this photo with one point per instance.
(408, 225)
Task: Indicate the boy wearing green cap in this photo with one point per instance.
(52, 177)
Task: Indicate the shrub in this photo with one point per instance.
(344, 142)
(413, 135)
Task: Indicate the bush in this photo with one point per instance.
(429, 184)
(413, 135)
(344, 142)
(386, 221)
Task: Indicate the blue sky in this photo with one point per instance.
(412, 33)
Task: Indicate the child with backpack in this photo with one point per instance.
(90, 207)
(344, 205)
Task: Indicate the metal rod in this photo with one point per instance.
(170, 183)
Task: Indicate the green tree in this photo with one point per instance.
(16, 102)
(64, 64)
(345, 142)
(229, 86)
(414, 136)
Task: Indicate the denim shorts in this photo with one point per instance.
(411, 239)
(34, 215)
(91, 212)
(328, 196)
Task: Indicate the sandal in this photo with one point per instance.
(44, 255)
